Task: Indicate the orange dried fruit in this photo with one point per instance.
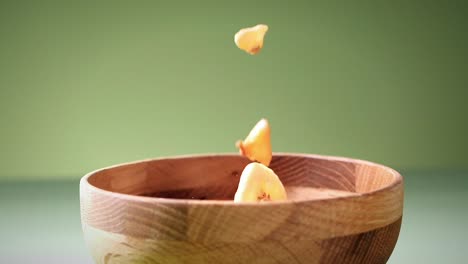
(250, 39)
(257, 145)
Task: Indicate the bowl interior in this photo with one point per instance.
(215, 177)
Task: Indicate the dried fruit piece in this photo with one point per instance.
(251, 39)
(257, 145)
(259, 183)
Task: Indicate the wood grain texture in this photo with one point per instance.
(339, 211)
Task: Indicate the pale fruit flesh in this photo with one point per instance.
(257, 145)
(250, 39)
(259, 183)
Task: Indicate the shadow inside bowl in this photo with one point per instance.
(216, 177)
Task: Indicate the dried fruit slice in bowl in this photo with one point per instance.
(259, 183)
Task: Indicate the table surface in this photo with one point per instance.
(40, 221)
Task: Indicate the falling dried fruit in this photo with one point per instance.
(259, 183)
(257, 145)
(251, 39)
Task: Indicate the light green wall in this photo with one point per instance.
(86, 85)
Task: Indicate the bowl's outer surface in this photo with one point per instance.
(121, 226)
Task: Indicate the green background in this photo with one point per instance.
(89, 84)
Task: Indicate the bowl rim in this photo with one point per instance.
(84, 182)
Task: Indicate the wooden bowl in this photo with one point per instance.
(180, 210)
